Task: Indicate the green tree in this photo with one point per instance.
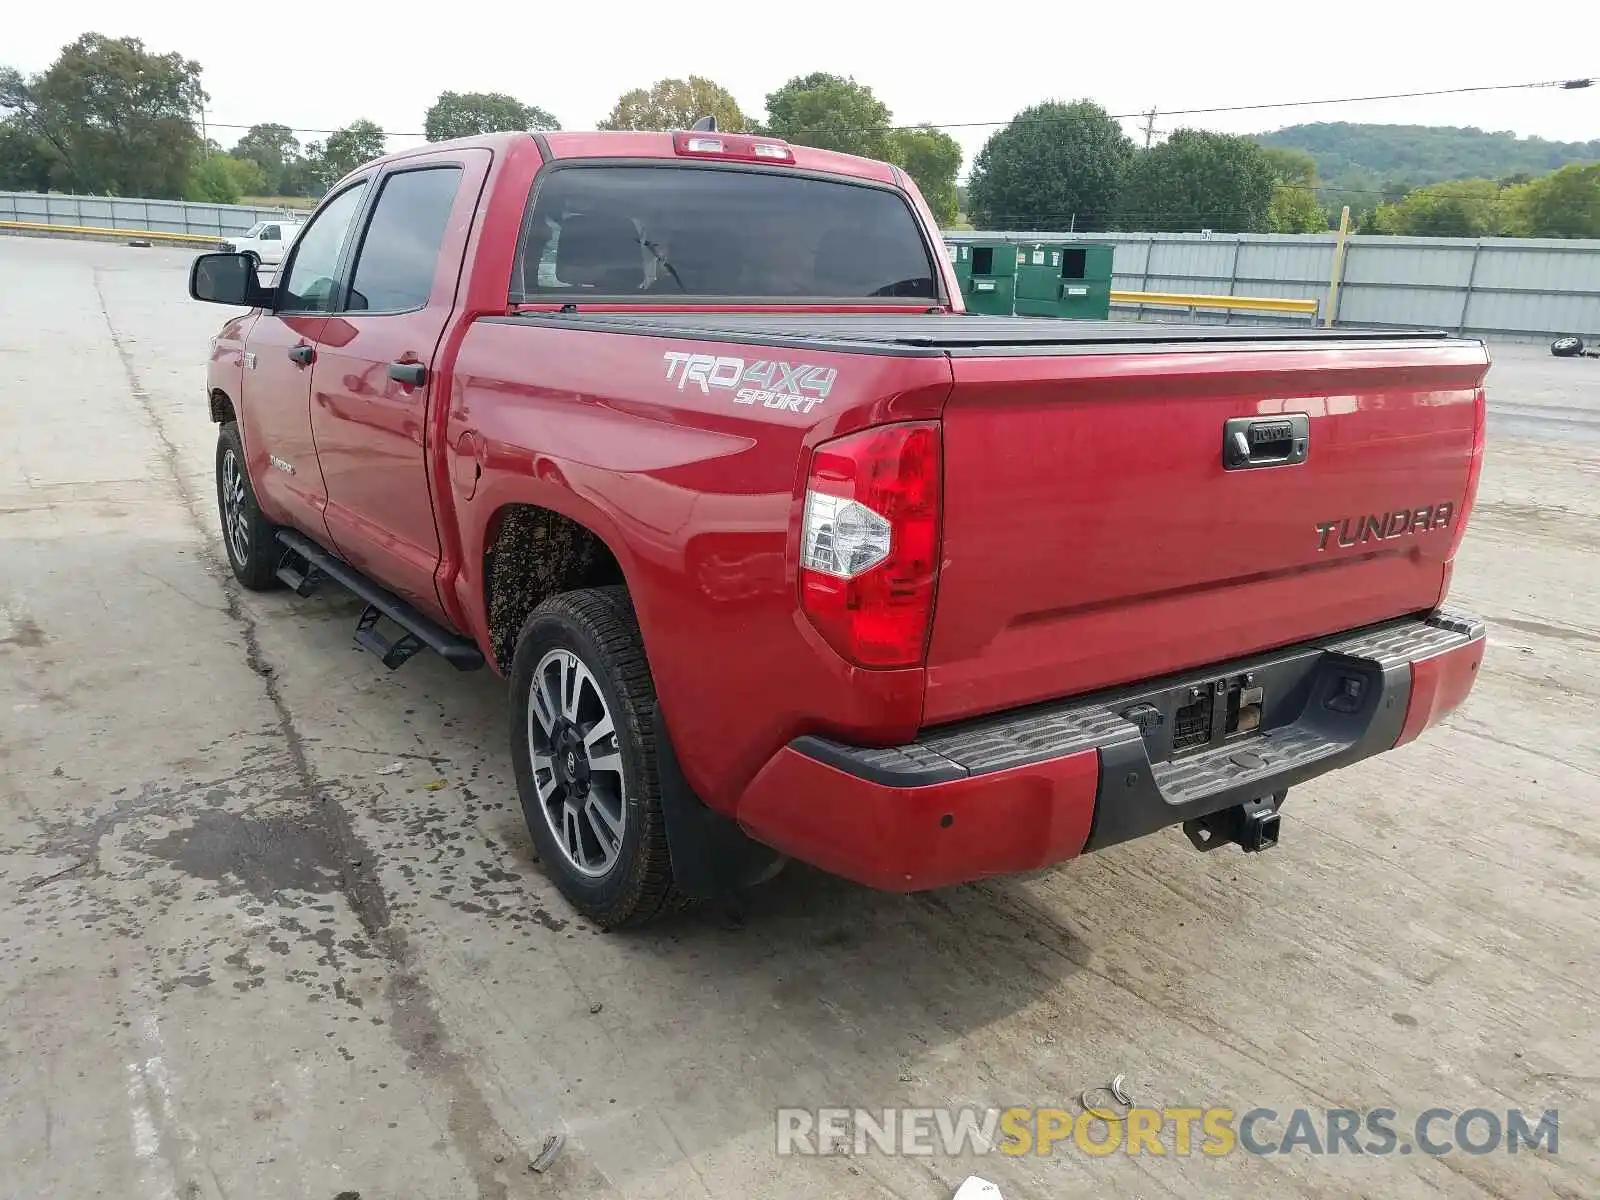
(1458, 208)
(464, 114)
(112, 116)
(1055, 166)
(213, 181)
(832, 113)
(345, 150)
(1295, 207)
(1199, 180)
(931, 157)
(677, 104)
(25, 163)
(1563, 204)
(275, 151)
(250, 179)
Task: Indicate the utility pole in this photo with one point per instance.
(1149, 126)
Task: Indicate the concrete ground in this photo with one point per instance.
(272, 927)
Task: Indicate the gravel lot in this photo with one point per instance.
(271, 925)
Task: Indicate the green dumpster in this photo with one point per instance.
(1064, 279)
(986, 273)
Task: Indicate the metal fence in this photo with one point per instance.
(146, 216)
(1519, 287)
(1531, 287)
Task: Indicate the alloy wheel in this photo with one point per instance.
(577, 763)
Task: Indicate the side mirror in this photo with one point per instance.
(227, 279)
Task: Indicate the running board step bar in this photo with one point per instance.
(392, 653)
(301, 581)
(420, 631)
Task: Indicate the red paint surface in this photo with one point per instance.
(897, 839)
(1092, 536)
(699, 499)
(1438, 686)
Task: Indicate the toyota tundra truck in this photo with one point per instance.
(783, 554)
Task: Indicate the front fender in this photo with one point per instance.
(225, 367)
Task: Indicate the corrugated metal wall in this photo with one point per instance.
(1532, 287)
(115, 212)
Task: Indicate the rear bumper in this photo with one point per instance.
(1021, 790)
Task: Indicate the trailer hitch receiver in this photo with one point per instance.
(1253, 825)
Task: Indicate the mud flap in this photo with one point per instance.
(711, 856)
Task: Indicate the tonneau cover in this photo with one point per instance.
(962, 334)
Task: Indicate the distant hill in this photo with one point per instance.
(1359, 162)
(1426, 153)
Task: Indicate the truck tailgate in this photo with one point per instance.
(1093, 534)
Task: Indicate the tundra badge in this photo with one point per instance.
(1383, 526)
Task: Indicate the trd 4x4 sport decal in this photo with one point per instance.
(796, 387)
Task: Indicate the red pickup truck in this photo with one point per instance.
(784, 554)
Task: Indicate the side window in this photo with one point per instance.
(270, 234)
(400, 253)
(309, 285)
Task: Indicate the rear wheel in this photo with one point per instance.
(249, 538)
(584, 755)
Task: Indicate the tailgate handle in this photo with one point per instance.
(1278, 441)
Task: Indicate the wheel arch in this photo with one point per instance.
(222, 410)
(532, 552)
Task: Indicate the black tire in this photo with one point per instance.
(254, 259)
(1567, 347)
(247, 537)
(597, 627)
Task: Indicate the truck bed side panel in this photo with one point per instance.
(694, 491)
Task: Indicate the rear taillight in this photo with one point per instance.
(869, 543)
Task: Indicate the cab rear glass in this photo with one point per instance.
(655, 232)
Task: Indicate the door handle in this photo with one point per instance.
(303, 355)
(1280, 441)
(409, 373)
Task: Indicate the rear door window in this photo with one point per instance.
(400, 252)
(679, 230)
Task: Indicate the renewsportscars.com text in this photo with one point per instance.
(1163, 1131)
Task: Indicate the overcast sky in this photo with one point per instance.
(322, 65)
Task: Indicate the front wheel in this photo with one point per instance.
(584, 755)
(248, 537)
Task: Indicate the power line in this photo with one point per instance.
(1567, 84)
(301, 129)
(1562, 84)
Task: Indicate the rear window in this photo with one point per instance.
(695, 231)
